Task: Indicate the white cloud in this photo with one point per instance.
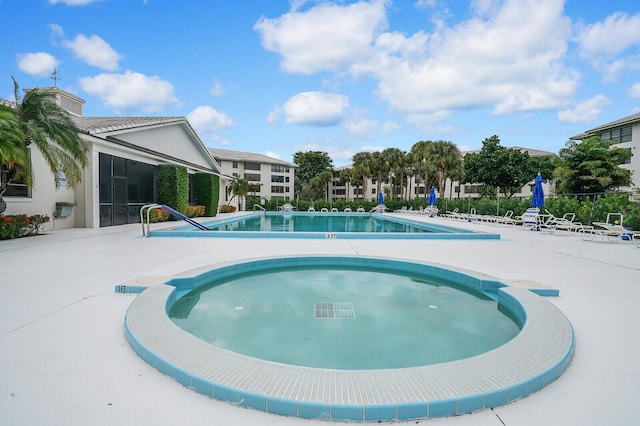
(588, 110)
(362, 128)
(634, 91)
(315, 108)
(217, 89)
(611, 45)
(208, 120)
(390, 126)
(56, 30)
(325, 37)
(509, 54)
(40, 64)
(130, 90)
(273, 155)
(94, 51)
(512, 60)
(73, 2)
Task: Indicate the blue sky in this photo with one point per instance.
(277, 77)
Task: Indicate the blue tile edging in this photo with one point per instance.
(538, 355)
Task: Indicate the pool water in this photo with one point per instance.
(319, 223)
(343, 318)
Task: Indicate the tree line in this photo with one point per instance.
(592, 166)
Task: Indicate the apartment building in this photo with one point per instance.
(624, 133)
(268, 177)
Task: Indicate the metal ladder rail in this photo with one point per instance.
(148, 208)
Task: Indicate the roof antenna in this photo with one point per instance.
(54, 76)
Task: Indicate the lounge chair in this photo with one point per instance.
(286, 208)
(334, 210)
(360, 209)
(311, 209)
(530, 219)
(506, 219)
(324, 210)
(610, 231)
(347, 209)
(566, 223)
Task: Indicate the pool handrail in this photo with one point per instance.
(149, 207)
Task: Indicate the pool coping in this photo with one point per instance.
(534, 358)
(452, 233)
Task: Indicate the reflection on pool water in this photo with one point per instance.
(323, 225)
(343, 318)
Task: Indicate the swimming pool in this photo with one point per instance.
(382, 319)
(323, 225)
(536, 356)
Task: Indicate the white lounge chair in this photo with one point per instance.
(311, 209)
(334, 210)
(347, 209)
(530, 219)
(324, 210)
(610, 231)
(566, 223)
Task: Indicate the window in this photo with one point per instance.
(628, 161)
(252, 166)
(18, 186)
(277, 189)
(234, 165)
(619, 135)
(340, 191)
(279, 168)
(252, 177)
(471, 189)
(276, 178)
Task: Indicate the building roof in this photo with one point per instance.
(532, 152)
(228, 155)
(618, 123)
(97, 125)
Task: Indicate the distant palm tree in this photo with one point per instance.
(41, 122)
(362, 169)
(393, 157)
(421, 154)
(446, 158)
(345, 176)
(239, 188)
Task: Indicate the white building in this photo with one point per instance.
(624, 133)
(121, 176)
(268, 177)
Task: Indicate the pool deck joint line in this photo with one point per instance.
(534, 358)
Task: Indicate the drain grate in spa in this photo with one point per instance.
(334, 310)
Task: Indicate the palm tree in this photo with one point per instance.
(345, 176)
(446, 157)
(421, 154)
(393, 158)
(362, 168)
(239, 187)
(38, 120)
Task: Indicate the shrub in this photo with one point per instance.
(21, 225)
(195, 211)
(207, 192)
(158, 215)
(173, 186)
(227, 209)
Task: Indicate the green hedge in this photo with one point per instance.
(207, 191)
(173, 186)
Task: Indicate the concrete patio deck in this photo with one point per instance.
(64, 359)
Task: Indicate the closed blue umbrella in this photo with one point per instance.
(380, 198)
(537, 200)
(432, 196)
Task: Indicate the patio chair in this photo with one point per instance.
(610, 231)
(565, 223)
(324, 210)
(311, 209)
(506, 219)
(360, 209)
(334, 210)
(530, 219)
(347, 209)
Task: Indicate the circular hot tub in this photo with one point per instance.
(261, 324)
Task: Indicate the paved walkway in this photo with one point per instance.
(64, 359)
